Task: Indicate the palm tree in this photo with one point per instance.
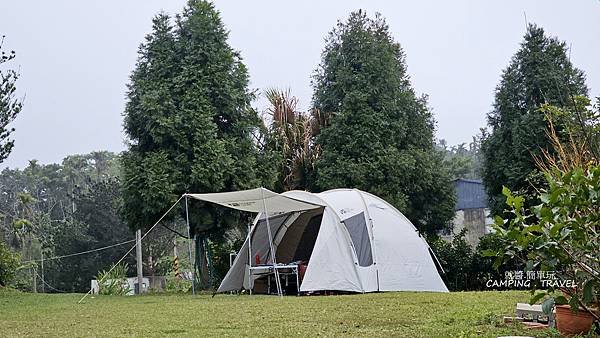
(293, 136)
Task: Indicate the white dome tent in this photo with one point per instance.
(353, 241)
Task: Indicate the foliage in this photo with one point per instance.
(455, 258)
(190, 124)
(10, 106)
(578, 143)
(176, 284)
(466, 268)
(292, 137)
(114, 281)
(188, 119)
(232, 241)
(49, 191)
(398, 314)
(539, 73)
(95, 224)
(560, 234)
(9, 262)
(463, 162)
(59, 209)
(380, 137)
(483, 265)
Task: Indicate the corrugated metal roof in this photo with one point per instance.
(470, 194)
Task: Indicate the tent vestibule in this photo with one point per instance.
(266, 203)
(352, 240)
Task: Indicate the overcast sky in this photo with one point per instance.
(75, 57)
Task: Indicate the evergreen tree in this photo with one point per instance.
(188, 118)
(9, 105)
(540, 72)
(380, 137)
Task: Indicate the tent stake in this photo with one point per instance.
(192, 264)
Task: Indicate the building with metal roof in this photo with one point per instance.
(470, 194)
(471, 211)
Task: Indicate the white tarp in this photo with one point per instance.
(399, 259)
(252, 201)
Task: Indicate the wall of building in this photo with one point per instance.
(474, 220)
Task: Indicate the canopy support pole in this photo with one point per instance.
(276, 272)
(250, 286)
(192, 264)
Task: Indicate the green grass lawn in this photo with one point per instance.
(405, 314)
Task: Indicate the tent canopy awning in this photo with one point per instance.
(252, 201)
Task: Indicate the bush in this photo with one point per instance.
(559, 235)
(178, 285)
(468, 269)
(455, 258)
(114, 282)
(9, 263)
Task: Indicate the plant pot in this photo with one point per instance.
(571, 324)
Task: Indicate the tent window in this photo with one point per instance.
(357, 227)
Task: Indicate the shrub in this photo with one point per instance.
(455, 258)
(467, 269)
(561, 235)
(114, 282)
(9, 263)
(178, 285)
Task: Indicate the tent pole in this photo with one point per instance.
(372, 237)
(193, 266)
(277, 281)
(250, 258)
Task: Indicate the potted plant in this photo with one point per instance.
(557, 231)
(561, 238)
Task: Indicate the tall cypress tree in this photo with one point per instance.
(540, 72)
(381, 134)
(188, 118)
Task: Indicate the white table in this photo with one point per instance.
(283, 269)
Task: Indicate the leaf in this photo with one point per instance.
(498, 221)
(529, 266)
(498, 262)
(489, 253)
(532, 228)
(506, 192)
(548, 305)
(555, 229)
(560, 300)
(518, 202)
(574, 303)
(588, 291)
(536, 298)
